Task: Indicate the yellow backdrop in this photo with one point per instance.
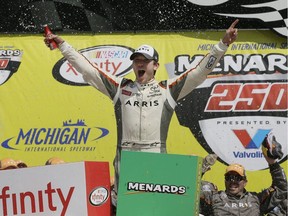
(32, 99)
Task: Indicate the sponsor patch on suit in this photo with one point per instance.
(211, 62)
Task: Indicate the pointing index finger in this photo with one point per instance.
(234, 23)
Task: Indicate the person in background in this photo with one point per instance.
(143, 107)
(280, 209)
(21, 164)
(8, 163)
(236, 200)
(54, 161)
(207, 187)
(273, 149)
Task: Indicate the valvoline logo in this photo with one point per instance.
(249, 142)
(233, 110)
(112, 59)
(71, 137)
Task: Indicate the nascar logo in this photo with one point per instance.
(112, 59)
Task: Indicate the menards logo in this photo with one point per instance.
(237, 64)
(157, 188)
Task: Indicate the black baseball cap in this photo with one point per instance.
(146, 50)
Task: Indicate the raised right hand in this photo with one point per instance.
(54, 37)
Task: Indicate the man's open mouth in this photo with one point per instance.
(141, 73)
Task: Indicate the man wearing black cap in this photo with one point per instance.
(144, 106)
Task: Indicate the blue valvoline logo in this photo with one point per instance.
(249, 142)
(72, 136)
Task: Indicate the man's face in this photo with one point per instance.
(234, 183)
(144, 69)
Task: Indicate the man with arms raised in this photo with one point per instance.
(144, 106)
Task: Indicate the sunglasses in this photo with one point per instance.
(234, 178)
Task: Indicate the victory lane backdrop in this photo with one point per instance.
(47, 110)
(32, 102)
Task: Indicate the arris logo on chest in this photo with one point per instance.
(142, 103)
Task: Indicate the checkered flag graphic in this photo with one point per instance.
(275, 19)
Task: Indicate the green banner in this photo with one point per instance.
(155, 184)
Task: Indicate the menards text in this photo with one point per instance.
(236, 64)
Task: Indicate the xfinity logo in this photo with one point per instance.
(111, 59)
(98, 196)
(48, 199)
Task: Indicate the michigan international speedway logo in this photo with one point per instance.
(71, 137)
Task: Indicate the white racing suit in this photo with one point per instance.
(143, 111)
